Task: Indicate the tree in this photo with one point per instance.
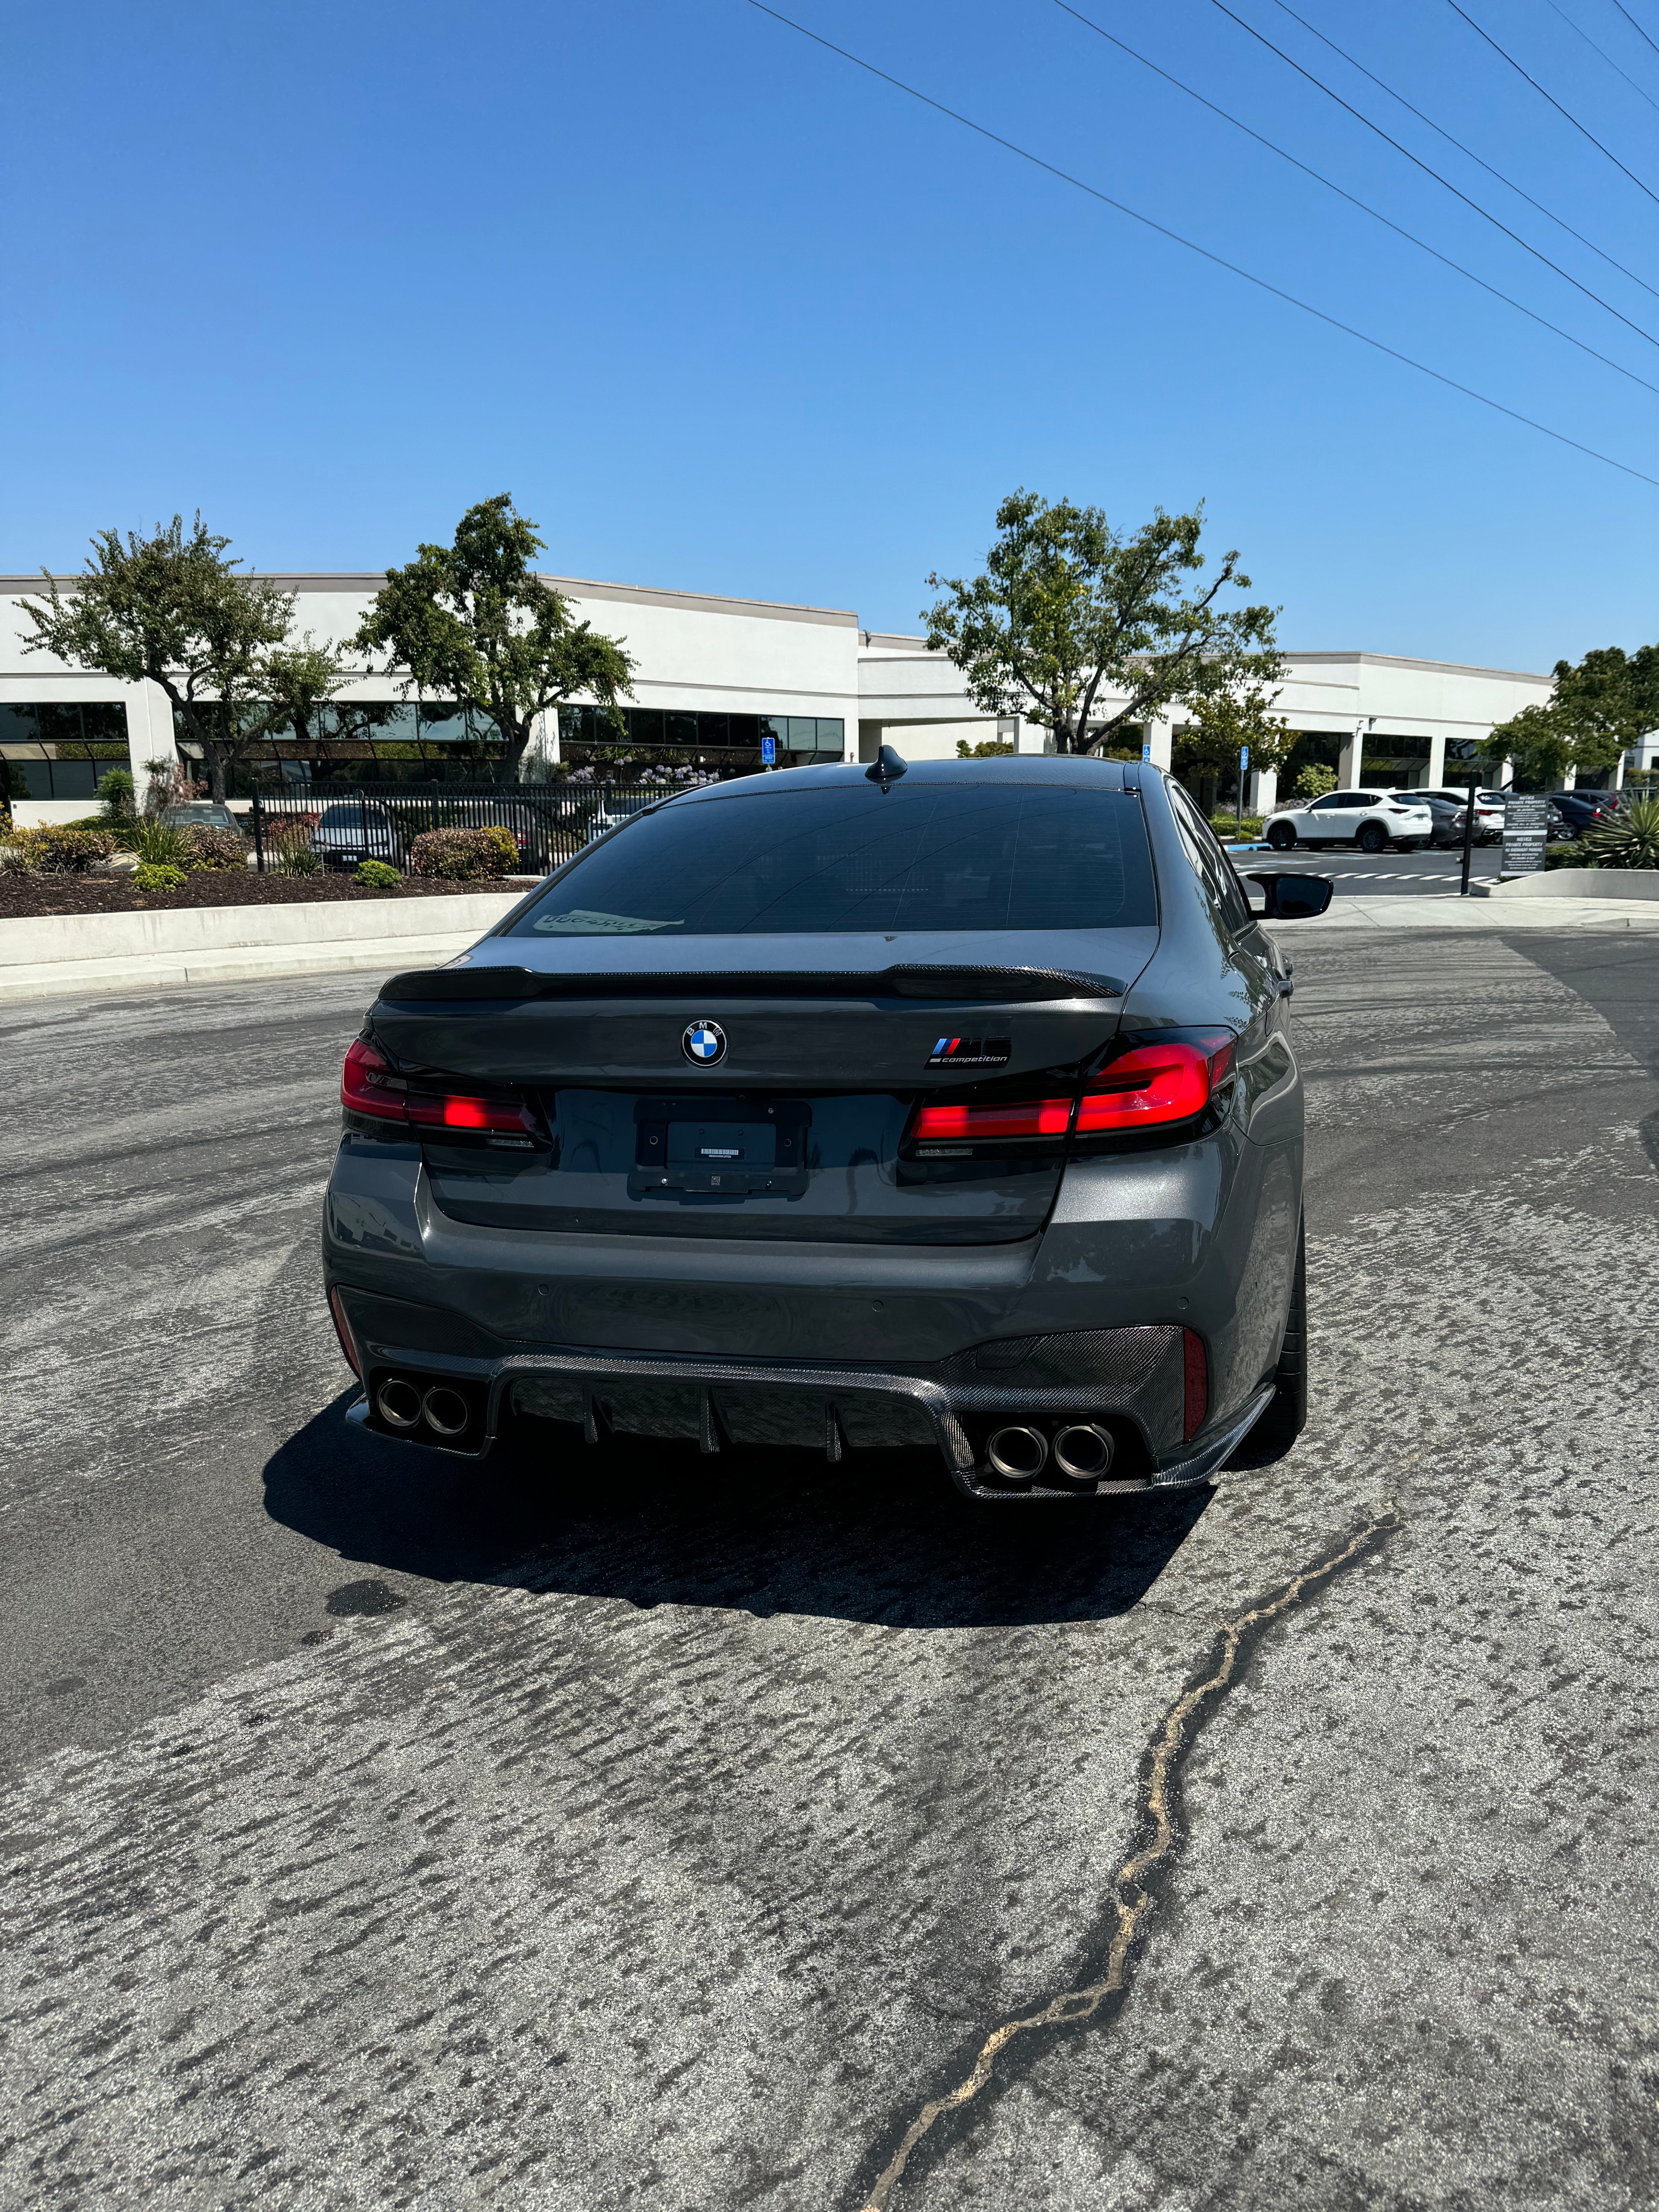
(472, 621)
(300, 681)
(171, 609)
(1068, 608)
(1225, 721)
(1600, 706)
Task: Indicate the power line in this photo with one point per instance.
(1365, 208)
(1343, 54)
(1261, 39)
(1553, 101)
(1232, 267)
(1634, 25)
(1605, 55)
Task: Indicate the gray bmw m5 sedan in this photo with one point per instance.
(947, 1104)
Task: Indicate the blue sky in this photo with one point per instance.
(722, 312)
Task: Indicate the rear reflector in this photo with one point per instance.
(1033, 1117)
(1154, 1082)
(342, 1330)
(367, 1085)
(1196, 1397)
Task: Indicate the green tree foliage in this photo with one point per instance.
(171, 609)
(1223, 722)
(473, 622)
(1600, 706)
(986, 749)
(1068, 608)
(1315, 780)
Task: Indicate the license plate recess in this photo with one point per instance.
(725, 1147)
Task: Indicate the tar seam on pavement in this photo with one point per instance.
(1137, 1884)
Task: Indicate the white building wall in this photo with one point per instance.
(700, 652)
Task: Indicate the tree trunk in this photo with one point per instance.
(216, 766)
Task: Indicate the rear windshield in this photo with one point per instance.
(852, 858)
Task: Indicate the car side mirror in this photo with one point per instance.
(1292, 897)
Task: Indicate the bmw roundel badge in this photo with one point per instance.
(703, 1043)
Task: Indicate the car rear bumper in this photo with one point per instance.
(1129, 1383)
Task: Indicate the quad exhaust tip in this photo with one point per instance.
(398, 1403)
(403, 1405)
(447, 1412)
(1017, 1453)
(1082, 1452)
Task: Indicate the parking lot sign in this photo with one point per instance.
(1526, 822)
(770, 752)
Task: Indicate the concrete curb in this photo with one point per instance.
(157, 971)
(1626, 886)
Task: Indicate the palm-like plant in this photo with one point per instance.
(1631, 840)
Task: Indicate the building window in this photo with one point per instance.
(720, 743)
(1394, 762)
(366, 741)
(59, 750)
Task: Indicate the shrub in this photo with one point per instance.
(1631, 840)
(157, 876)
(115, 790)
(1568, 856)
(158, 844)
(68, 850)
(1230, 825)
(376, 876)
(463, 856)
(215, 848)
(300, 861)
(1315, 780)
(509, 843)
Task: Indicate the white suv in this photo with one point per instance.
(1373, 820)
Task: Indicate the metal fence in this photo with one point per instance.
(296, 826)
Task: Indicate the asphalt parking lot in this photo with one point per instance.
(632, 1829)
(1436, 873)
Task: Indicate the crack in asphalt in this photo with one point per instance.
(1135, 1887)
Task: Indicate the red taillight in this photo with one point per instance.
(440, 1109)
(1027, 1117)
(1154, 1082)
(367, 1085)
(1195, 1401)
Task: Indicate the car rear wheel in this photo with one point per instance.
(1372, 838)
(1281, 837)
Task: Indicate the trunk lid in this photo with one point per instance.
(750, 1093)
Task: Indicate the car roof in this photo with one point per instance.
(1027, 770)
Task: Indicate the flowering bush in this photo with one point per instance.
(463, 856)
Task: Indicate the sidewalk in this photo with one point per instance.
(1446, 910)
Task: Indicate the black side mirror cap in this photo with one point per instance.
(1292, 897)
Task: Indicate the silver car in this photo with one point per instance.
(952, 1105)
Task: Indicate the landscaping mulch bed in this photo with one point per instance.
(24, 895)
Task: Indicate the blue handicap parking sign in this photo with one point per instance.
(769, 752)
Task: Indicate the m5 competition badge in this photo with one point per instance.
(971, 1052)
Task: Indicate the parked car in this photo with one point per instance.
(203, 814)
(354, 829)
(848, 1107)
(1372, 820)
(1447, 817)
(1582, 810)
(1488, 809)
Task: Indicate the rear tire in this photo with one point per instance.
(1281, 837)
(1372, 837)
(1288, 1413)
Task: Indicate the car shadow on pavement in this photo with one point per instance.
(882, 1537)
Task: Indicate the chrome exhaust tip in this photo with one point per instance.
(1083, 1452)
(1017, 1453)
(398, 1403)
(447, 1412)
